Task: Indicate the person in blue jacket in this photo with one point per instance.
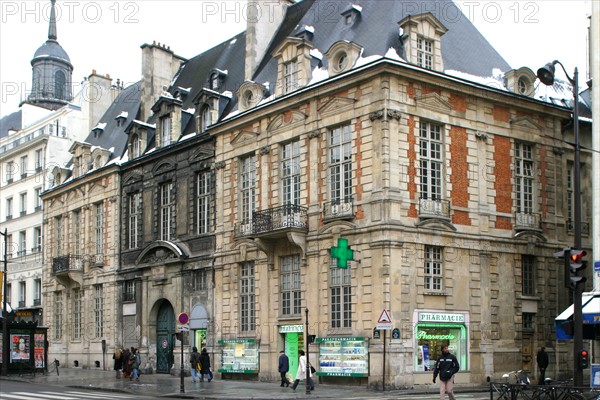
(284, 367)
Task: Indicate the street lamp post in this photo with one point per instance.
(306, 339)
(546, 76)
(4, 309)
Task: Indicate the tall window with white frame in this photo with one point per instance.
(99, 311)
(76, 232)
(129, 290)
(291, 296)
(9, 208)
(37, 292)
(58, 225)
(37, 200)
(99, 230)
(39, 160)
(203, 202)
(430, 160)
(165, 131)
(247, 298)
(290, 165)
(22, 243)
(37, 239)
(205, 118)
(10, 171)
(134, 219)
(136, 146)
(433, 264)
(290, 76)
(528, 275)
(524, 178)
(340, 165)
(248, 188)
(199, 277)
(166, 211)
(340, 289)
(22, 294)
(58, 314)
(23, 204)
(425, 53)
(24, 166)
(77, 313)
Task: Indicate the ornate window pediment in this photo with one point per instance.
(163, 167)
(433, 101)
(342, 56)
(422, 35)
(521, 81)
(137, 133)
(250, 94)
(243, 137)
(99, 157)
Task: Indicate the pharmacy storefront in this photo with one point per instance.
(434, 330)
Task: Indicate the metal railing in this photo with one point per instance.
(339, 208)
(274, 219)
(66, 263)
(513, 391)
(527, 221)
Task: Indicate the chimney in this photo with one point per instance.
(263, 20)
(97, 97)
(159, 65)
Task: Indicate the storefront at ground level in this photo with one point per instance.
(434, 330)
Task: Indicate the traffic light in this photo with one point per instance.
(576, 266)
(583, 359)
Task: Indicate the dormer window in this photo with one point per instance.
(523, 85)
(250, 94)
(165, 131)
(121, 118)
(136, 146)
(521, 81)
(342, 56)
(351, 14)
(421, 36)
(205, 118)
(293, 65)
(290, 76)
(214, 81)
(425, 53)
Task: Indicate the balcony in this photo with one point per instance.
(434, 208)
(21, 303)
(274, 221)
(37, 302)
(68, 268)
(339, 209)
(527, 221)
(585, 227)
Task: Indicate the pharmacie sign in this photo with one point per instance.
(441, 317)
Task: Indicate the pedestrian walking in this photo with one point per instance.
(446, 366)
(136, 361)
(118, 364)
(195, 363)
(205, 366)
(284, 367)
(542, 362)
(127, 364)
(301, 374)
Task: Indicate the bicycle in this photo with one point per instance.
(55, 365)
(520, 377)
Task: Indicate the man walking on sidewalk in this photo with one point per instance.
(446, 366)
(284, 367)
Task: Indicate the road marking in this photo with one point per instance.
(63, 396)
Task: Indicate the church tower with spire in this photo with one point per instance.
(52, 71)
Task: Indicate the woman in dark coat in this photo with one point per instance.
(118, 357)
(205, 365)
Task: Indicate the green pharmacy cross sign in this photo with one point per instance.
(342, 253)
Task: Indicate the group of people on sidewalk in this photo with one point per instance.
(303, 364)
(200, 365)
(128, 362)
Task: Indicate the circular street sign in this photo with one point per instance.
(183, 318)
(164, 343)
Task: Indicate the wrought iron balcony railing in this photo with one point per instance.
(525, 221)
(434, 208)
(339, 208)
(37, 302)
(67, 263)
(274, 219)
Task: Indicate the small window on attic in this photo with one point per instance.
(214, 81)
(425, 53)
(248, 98)
(523, 85)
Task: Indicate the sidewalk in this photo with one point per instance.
(161, 385)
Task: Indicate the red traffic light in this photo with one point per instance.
(577, 255)
(584, 353)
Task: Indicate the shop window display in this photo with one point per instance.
(429, 341)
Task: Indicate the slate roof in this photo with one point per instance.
(113, 135)
(195, 73)
(51, 49)
(376, 30)
(10, 122)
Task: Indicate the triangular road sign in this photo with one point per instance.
(384, 317)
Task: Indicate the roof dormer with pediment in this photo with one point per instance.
(293, 65)
(167, 110)
(421, 36)
(81, 158)
(138, 133)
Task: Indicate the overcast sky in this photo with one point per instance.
(106, 35)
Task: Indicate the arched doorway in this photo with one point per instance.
(165, 327)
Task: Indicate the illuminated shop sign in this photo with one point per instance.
(438, 317)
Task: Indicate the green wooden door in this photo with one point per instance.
(165, 327)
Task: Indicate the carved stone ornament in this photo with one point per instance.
(219, 165)
(395, 114)
(481, 136)
(376, 115)
(264, 150)
(314, 134)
